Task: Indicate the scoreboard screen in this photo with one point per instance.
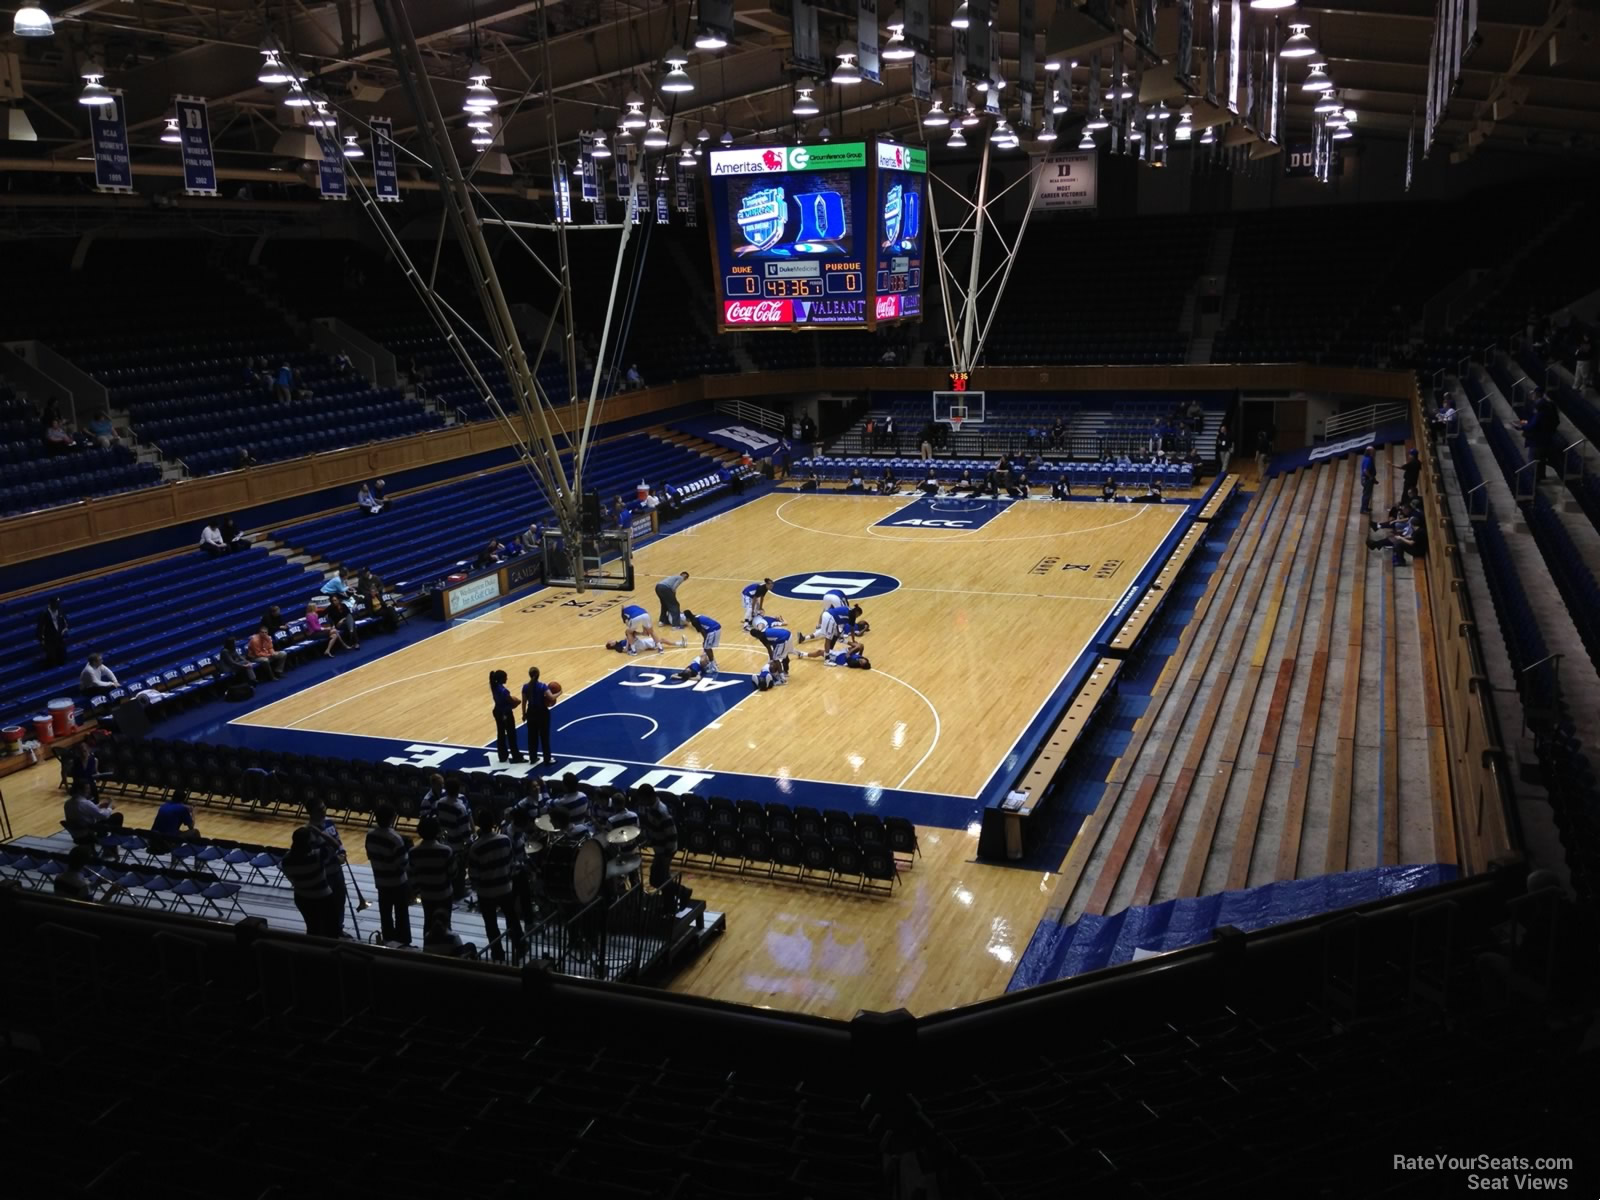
(899, 215)
(791, 238)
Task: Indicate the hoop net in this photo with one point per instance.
(955, 423)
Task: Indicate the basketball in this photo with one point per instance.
(550, 696)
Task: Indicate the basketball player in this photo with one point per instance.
(834, 599)
(754, 596)
(710, 631)
(638, 630)
(834, 621)
(851, 654)
(776, 639)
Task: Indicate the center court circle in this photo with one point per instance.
(852, 585)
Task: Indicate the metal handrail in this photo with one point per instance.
(1483, 488)
(1567, 469)
(1555, 686)
(1369, 417)
(1516, 480)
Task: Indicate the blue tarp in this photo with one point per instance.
(1060, 951)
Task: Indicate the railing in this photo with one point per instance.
(1524, 485)
(753, 414)
(1362, 419)
(1483, 801)
(1545, 691)
(1478, 502)
(1570, 455)
(606, 939)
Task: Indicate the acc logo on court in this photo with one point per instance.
(852, 585)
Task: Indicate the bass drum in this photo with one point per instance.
(573, 870)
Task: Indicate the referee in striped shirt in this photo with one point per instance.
(390, 854)
(490, 860)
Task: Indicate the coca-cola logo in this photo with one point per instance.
(757, 312)
(888, 307)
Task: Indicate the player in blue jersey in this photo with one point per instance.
(835, 622)
(852, 654)
(639, 632)
(753, 596)
(776, 639)
(710, 631)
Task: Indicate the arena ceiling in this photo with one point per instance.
(1533, 80)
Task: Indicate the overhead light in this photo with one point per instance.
(1299, 43)
(1097, 121)
(170, 133)
(32, 21)
(352, 148)
(936, 117)
(297, 97)
(677, 79)
(972, 118)
(1341, 135)
(482, 137)
(958, 140)
(1059, 98)
(686, 155)
(599, 149)
(1159, 113)
(634, 118)
(1318, 80)
(1047, 134)
(1327, 103)
(1272, 5)
(846, 73)
(1209, 137)
(480, 120)
(1185, 129)
(273, 73)
(959, 19)
(699, 152)
(655, 137)
(1052, 60)
(896, 48)
(675, 57)
(804, 103)
(709, 39)
(480, 96)
(624, 138)
(704, 135)
(727, 138)
(1336, 120)
(320, 117)
(1135, 134)
(95, 93)
(824, 134)
(1127, 90)
(1001, 132)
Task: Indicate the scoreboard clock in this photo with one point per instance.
(817, 237)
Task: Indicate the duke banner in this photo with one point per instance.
(586, 164)
(563, 194)
(867, 41)
(1065, 181)
(685, 188)
(108, 127)
(385, 170)
(663, 214)
(331, 181)
(194, 128)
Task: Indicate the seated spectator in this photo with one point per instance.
(211, 539)
(1109, 490)
(103, 432)
(77, 882)
(1405, 534)
(57, 438)
(489, 555)
(174, 817)
(85, 818)
(1442, 416)
(533, 539)
(376, 605)
(260, 649)
(231, 537)
(380, 495)
(1583, 363)
(244, 460)
(96, 675)
(887, 482)
(930, 485)
(232, 666)
(650, 500)
(329, 633)
(855, 483)
(439, 938)
(370, 504)
(671, 502)
(272, 620)
(85, 771)
(343, 620)
(335, 586)
(633, 379)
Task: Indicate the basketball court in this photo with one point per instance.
(978, 610)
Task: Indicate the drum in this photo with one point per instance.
(622, 840)
(573, 870)
(543, 822)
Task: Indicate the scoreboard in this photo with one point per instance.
(815, 237)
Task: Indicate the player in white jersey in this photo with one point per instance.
(834, 599)
(753, 596)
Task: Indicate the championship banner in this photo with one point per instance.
(663, 210)
(385, 169)
(919, 29)
(586, 164)
(1026, 69)
(194, 127)
(921, 76)
(992, 97)
(979, 40)
(806, 48)
(684, 196)
(108, 129)
(1185, 39)
(867, 41)
(331, 181)
(1216, 51)
(958, 65)
(1411, 147)
(563, 194)
(624, 178)
(1235, 29)
(1065, 181)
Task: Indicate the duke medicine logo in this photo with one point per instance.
(852, 585)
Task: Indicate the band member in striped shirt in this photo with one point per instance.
(322, 826)
(660, 833)
(306, 868)
(430, 870)
(455, 827)
(490, 859)
(390, 853)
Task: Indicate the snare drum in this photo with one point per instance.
(572, 871)
(623, 839)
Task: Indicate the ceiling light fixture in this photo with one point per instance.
(170, 133)
(896, 48)
(482, 138)
(1088, 141)
(352, 148)
(1341, 135)
(960, 19)
(95, 93)
(727, 138)
(677, 79)
(805, 104)
(480, 121)
(320, 117)
(273, 73)
(704, 135)
(1272, 5)
(1185, 128)
(297, 97)
(599, 149)
(1001, 133)
(1299, 44)
(1328, 103)
(1318, 80)
(1097, 122)
(1047, 134)
(655, 137)
(480, 97)
(936, 117)
(972, 118)
(846, 73)
(709, 39)
(958, 140)
(633, 118)
(31, 21)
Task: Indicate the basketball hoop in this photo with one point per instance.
(955, 424)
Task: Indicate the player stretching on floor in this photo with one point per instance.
(638, 631)
(710, 632)
(776, 639)
(837, 620)
(851, 654)
(754, 596)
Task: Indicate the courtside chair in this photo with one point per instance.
(816, 858)
(757, 849)
(727, 846)
(902, 840)
(786, 860)
(878, 871)
(808, 822)
(845, 860)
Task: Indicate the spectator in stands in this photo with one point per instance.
(52, 630)
(1405, 534)
(633, 379)
(1442, 416)
(85, 773)
(573, 803)
(211, 540)
(660, 833)
(649, 501)
(1197, 415)
(96, 676)
(1058, 434)
(887, 482)
(438, 938)
(389, 854)
(489, 555)
(77, 882)
(490, 864)
(1263, 449)
(245, 459)
(376, 605)
(306, 867)
(671, 502)
(1411, 476)
(930, 482)
(335, 585)
(380, 495)
(272, 620)
(1369, 478)
(1224, 448)
(1542, 430)
(261, 649)
(1583, 362)
(58, 439)
(533, 538)
(430, 865)
(316, 629)
(283, 384)
(369, 503)
(232, 665)
(86, 818)
(103, 432)
(619, 512)
(174, 817)
(231, 537)
(342, 619)
(887, 438)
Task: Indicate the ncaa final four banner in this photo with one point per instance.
(194, 130)
(108, 127)
(385, 170)
(331, 181)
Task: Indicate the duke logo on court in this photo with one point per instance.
(852, 585)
